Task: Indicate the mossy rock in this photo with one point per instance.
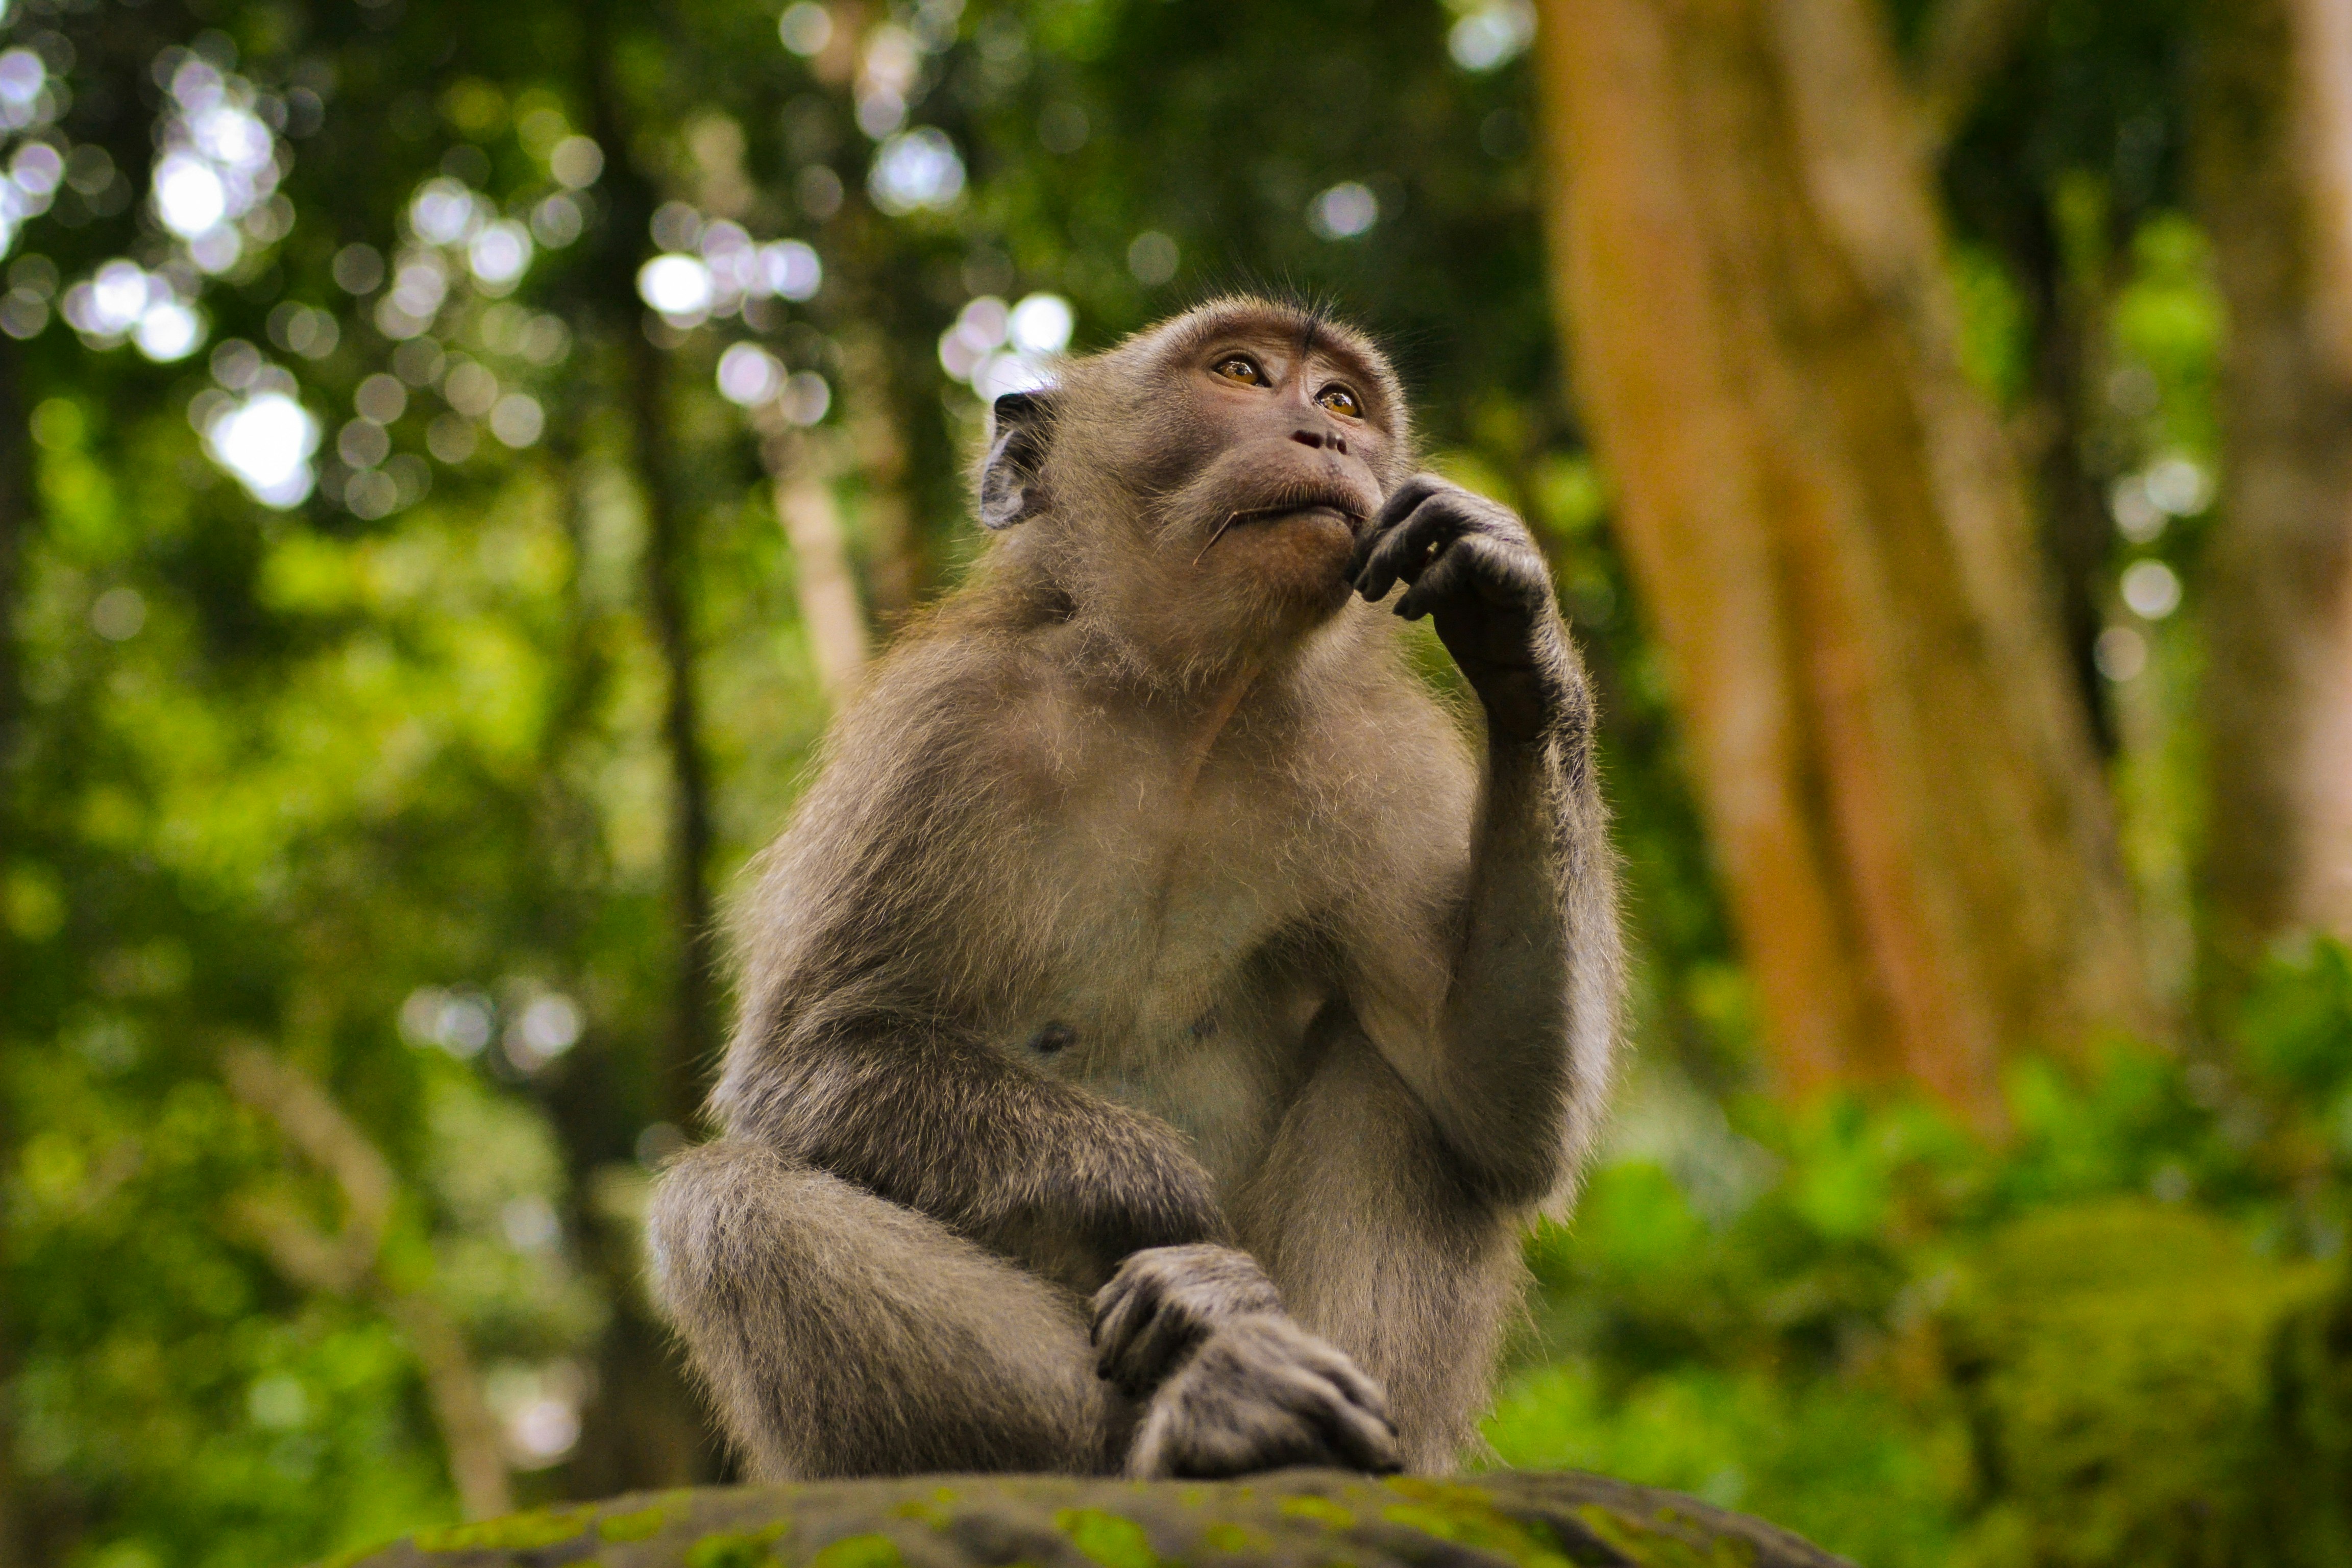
(1313, 1518)
(2145, 1387)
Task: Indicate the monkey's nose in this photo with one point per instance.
(1320, 439)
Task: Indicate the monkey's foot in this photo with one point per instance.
(1262, 1393)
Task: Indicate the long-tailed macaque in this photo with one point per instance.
(1160, 1018)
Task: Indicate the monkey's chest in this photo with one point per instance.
(1174, 982)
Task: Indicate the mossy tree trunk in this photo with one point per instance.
(1832, 541)
(2275, 184)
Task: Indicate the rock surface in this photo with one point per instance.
(1313, 1518)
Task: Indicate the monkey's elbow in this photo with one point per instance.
(1518, 1181)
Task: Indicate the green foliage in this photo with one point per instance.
(515, 1532)
(2118, 1338)
(364, 789)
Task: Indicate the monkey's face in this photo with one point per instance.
(1213, 471)
(1265, 446)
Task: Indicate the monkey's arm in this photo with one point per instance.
(926, 1116)
(1079, 1191)
(1529, 1018)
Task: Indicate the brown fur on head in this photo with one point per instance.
(1201, 518)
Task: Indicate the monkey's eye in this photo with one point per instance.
(1239, 368)
(1340, 400)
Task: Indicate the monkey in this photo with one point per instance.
(1163, 1014)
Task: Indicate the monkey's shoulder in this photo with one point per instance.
(941, 706)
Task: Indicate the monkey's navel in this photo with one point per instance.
(1204, 1025)
(1053, 1039)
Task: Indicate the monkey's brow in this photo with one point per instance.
(1306, 334)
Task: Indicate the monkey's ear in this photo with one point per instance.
(1019, 425)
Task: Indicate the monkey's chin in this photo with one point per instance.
(1299, 560)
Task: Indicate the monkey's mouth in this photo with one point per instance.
(1341, 509)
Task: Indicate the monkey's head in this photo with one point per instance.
(1200, 487)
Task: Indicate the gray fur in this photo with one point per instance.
(1151, 934)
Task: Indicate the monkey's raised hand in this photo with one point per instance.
(1472, 567)
(1233, 1386)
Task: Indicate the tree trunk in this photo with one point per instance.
(872, 417)
(643, 1426)
(2275, 175)
(16, 527)
(692, 1031)
(801, 470)
(667, 551)
(1832, 541)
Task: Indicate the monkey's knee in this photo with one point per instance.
(711, 1211)
(841, 1335)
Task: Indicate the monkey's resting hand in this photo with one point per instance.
(1162, 1303)
(1473, 565)
(1233, 1386)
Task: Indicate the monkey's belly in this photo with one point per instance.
(1221, 1076)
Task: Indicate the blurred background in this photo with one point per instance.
(452, 456)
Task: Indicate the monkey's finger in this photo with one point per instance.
(1119, 1306)
(1322, 1364)
(1406, 550)
(1326, 1362)
(1449, 575)
(1117, 1324)
(1360, 1440)
(1400, 502)
(1398, 505)
(1155, 1349)
(1497, 570)
(1105, 1307)
(1357, 1437)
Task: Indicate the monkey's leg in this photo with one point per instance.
(1377, 1244)
(841, 1335)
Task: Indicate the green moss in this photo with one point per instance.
(637, 1525)
(1320, 1509)
(515, 1532)
(2122, 1355)
(857, 1552)
(1468, 1516)
(736, 1549)
(1235, 1538)
(1481, 1530)
(1648, 1549)
(1443, 1494)
(1113, 1541)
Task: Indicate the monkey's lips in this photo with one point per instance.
(1345, 510)
(1351, 520)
